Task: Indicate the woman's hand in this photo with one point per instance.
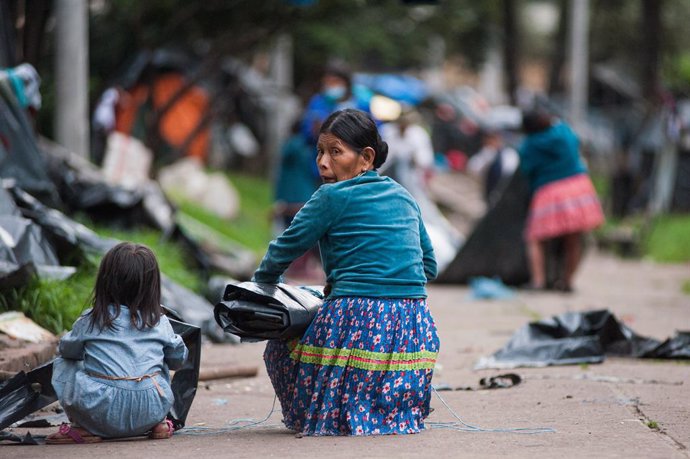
(327, 290)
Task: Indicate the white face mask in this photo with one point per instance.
(334, 93)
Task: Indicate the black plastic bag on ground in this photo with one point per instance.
(26, 393)
(580, 337)
(255, 311)
(185, 379)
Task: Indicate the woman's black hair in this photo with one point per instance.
(358, 130)
(535, 120)
(128, 275)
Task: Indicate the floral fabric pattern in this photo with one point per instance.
(363, 367)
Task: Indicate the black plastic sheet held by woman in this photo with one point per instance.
(255, 311)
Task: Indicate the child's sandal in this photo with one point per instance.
(67, 435)
(162, 430)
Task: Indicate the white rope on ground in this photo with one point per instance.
(460, 425)
(465, 427)
(230, 426)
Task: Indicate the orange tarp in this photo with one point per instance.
(178, 122)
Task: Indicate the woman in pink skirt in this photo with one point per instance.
(564, 203)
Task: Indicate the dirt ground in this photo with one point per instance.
(599, 410)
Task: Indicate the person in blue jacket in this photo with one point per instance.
(364, 365)
(337, 93)
(295, 182)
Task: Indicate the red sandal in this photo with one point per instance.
(67, 435)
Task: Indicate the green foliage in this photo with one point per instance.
(55, 305)
(388, 35)
(372, 35)
(669, 239)
(252, 227)
(615, 31)
(52, 304)
(172, 258)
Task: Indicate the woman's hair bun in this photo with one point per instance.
(381, 153)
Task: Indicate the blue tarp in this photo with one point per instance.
(402, 88)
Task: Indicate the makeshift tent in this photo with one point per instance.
(182, 124)
(495, 248)
(20, 157)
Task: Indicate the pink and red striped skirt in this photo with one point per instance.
(566, 206)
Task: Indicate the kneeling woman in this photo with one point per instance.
(364, 365)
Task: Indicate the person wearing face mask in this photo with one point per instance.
(364, 365)
(336, 94)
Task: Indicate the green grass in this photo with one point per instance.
(669, 239)
(686, 287)
(172, 258)
(665, 239)
(653, 425)
(252, 226)
(53, 304)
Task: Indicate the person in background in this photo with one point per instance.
(113, 374)
(563, 203)
(412, 159)
(411, 164)
(295, 182)
(364, 365)
(336, 94)
(495, 163)
(294, 186)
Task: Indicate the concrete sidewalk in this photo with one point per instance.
(597, 410)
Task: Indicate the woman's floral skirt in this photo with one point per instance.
(363, 367)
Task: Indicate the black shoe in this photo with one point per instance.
(562, 286)
(532, 288)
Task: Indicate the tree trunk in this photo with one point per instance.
(8, 51)
(651, 31)
(559, 52)
(35, 18)
(511, 49)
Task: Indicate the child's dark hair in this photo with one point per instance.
(128, 275)
(358, 130)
